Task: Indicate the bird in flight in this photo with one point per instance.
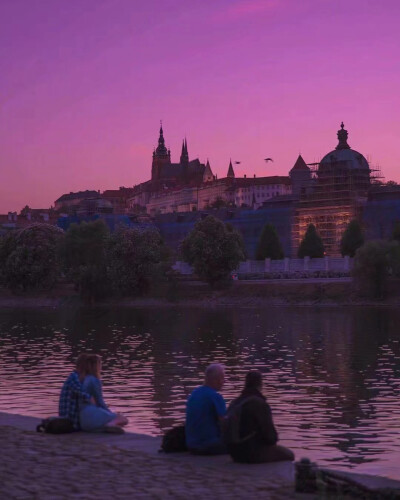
(238, 162)
(268, 159)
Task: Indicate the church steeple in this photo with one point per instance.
(161, 156)
(161, 150)
(184, 153)
(231, 172)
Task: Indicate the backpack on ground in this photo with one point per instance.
(174, 440)
(230, 426)
(55, 425)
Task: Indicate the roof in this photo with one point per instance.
(344, 155)
(117, 193)
(79, 195)
(349, 157)
(262, 181)
(300, 164)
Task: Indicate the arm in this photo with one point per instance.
(220, 407)
(266, 425)
(98, 393)
(76, 388)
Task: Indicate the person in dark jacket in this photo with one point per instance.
(258, 436)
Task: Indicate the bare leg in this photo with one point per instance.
(119, 421)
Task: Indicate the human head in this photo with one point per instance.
(253, 380)
(93, 365)
(215, 376)
(81, 365)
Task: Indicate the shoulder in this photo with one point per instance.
(73, 376)
(91, 379)
(256, 402)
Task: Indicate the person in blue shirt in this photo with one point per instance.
(72, 392)
(95, 414)
(205, 409)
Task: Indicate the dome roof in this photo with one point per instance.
(343, 153)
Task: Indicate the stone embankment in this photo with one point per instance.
(103, 466)
(249, 293)
(81, 466)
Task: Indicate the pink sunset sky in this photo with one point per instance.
(84, 84)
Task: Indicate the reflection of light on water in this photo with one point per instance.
(331, 376)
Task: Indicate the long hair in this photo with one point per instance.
(93, 365)
(81, 365)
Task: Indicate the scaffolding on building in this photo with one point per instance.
(336, 195)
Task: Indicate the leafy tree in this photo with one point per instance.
(84, 258)
(396, 231)
(214, 249)
(311, 245)
(391, 183)
(372, 264)
(219, 203)
(29, 257)
(134, 257)
(352, 239)
(269, 245)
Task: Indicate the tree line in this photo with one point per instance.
(128, 261)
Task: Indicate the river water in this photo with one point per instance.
(331, 374)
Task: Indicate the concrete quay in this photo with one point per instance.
(105, 466)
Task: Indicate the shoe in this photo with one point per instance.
(114, 429)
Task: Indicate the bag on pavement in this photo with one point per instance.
(174, 440)
(55, 425)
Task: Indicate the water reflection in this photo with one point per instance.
(331, 374)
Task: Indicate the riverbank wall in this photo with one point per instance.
(248, 293)
(105, 466)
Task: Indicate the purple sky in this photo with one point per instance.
(84, 83)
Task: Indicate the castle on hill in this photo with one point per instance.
(329, 194)
(190, 185)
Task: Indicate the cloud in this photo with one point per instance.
(241, 8)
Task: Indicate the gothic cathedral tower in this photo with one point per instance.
(161, 156)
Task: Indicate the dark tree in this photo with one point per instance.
(84, 258)
(396, 231)
(372, 264)
(352, 239)
(29, 257)
(269, 246)
(134, 258)
(214, 249)
(311, 245)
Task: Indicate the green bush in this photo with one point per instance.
(134, 258)
(396, 231)
(83, 255)
(29, 257)
(374, 262)
(311, 245)
(352, 239)
(269, 246)
(214, 249)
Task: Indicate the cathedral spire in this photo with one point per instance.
(184, 154)
(161, 149)
(342, 136)
(231, 172)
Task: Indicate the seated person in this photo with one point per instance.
(72, 392)
(95, 415)
(257, 433)
(204, 410)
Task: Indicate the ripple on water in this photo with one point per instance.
(331, 376)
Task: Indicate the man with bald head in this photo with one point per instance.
(205, 409)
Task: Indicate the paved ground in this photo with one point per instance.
(102, 466)
(43, 466)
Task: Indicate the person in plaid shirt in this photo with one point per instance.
(72, 393)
